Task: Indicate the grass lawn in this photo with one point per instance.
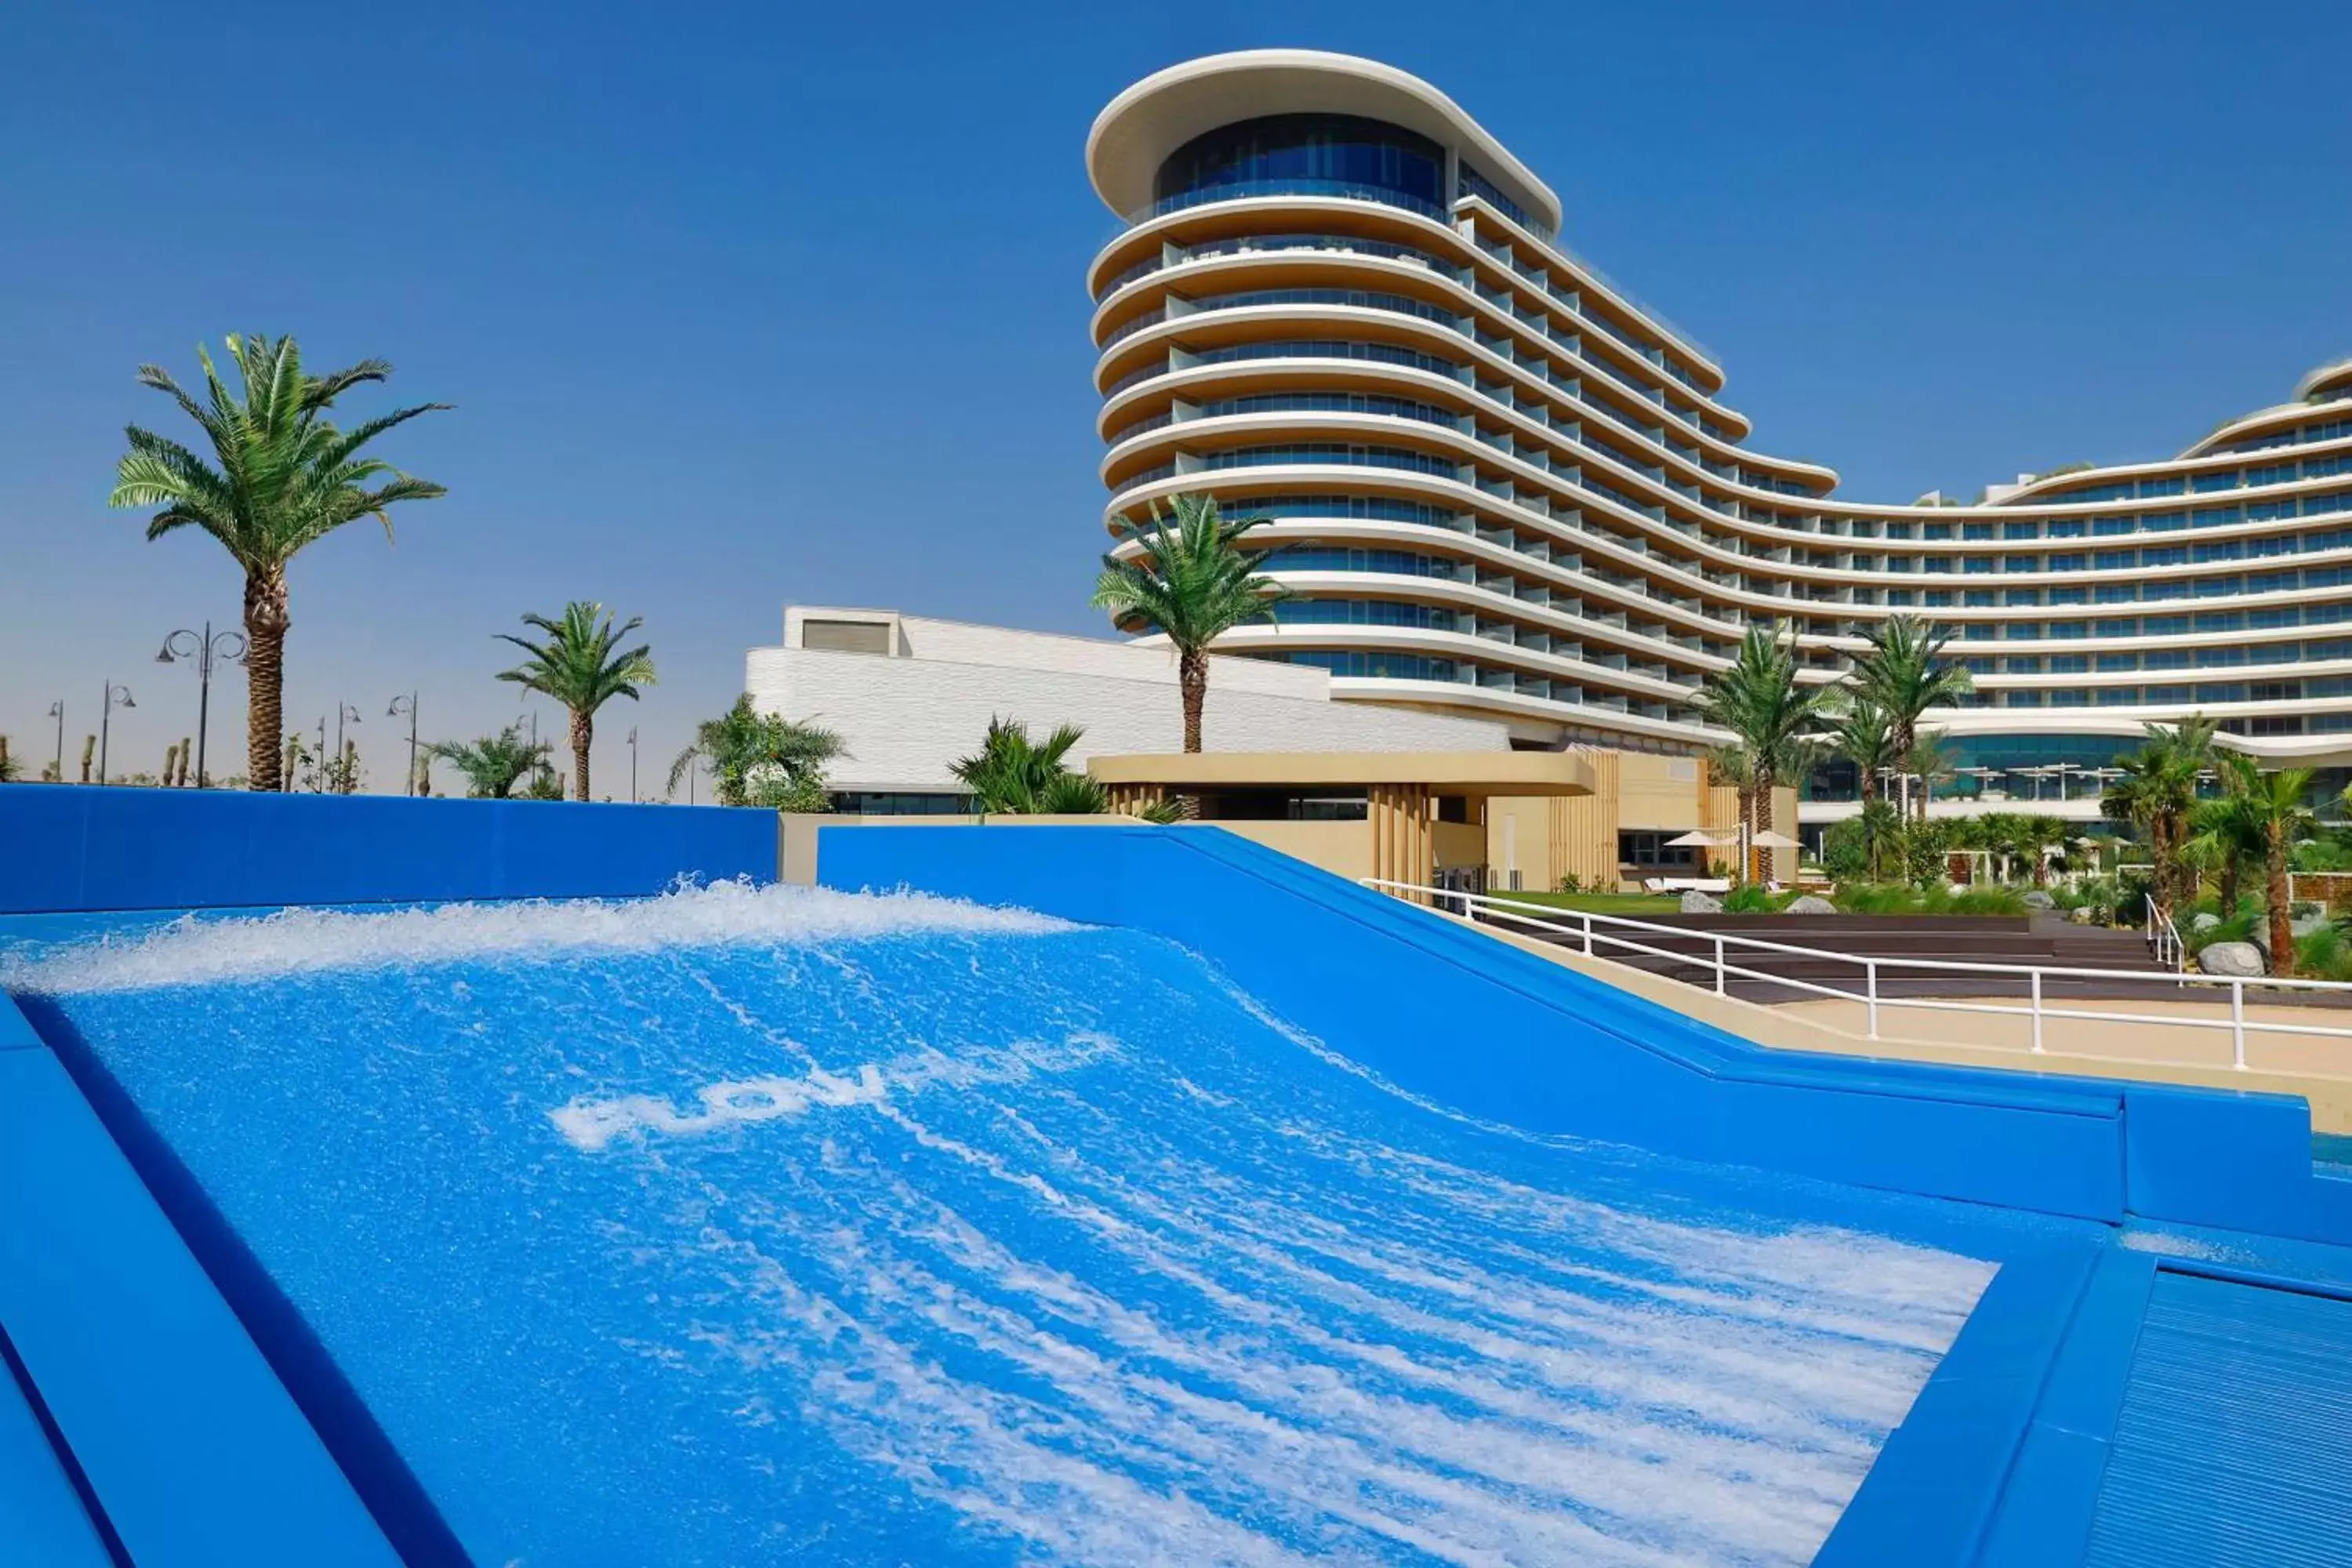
(1604, 903)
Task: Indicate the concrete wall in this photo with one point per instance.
(70, 846)
(908, 719)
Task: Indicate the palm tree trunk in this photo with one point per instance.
(583, 729)
(2229, 883)
(265, 624)
(2281, 915)
(1193, 678)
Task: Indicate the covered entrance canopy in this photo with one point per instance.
(1403, 815)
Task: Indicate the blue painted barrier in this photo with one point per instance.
(1557, 1051)
(69, 848)
(193, 1450)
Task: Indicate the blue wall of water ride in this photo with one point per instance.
(771, 1225)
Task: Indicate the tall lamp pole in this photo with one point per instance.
(202, 648)
(408, 705)
(343, 711)
(633, 765)
(116, 697)
(58, 711)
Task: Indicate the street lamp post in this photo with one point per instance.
(185, 644)
(408, 705)
(58, 711)
(633, 765)
(116, 697)
(343, 710)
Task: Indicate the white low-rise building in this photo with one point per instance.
(909, 694)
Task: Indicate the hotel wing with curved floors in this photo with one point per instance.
(1503, 487)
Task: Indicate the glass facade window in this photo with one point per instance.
(1307, 153)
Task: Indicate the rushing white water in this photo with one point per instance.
(740, 1227)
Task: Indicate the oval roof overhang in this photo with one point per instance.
(1137, 130)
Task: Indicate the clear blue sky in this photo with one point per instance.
(744, 305)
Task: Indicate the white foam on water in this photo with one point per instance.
(194, 951)
(592, 1124)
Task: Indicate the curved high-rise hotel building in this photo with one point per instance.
(1503, 487)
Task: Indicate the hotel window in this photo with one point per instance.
(2172, 589)
(2112, 663)
(1939, 531)
(1975, 530)
(2220, 550)
(2218, 587)
(2165, 555)
(2216, 516)
(2024, 631)
(2222, 691)
(2171, 487)
(2118, 696)
(1899, 596)
(2069, 596)
(1980, 598)
(2163, 522)
(1940, 564)
(2020, 530)
(2107, 527)
(2123, 628)
(2221, 621)
(2118, 593)
(2328, 648)
(1939, 599)
(2020, 563)
(2070, 629)
(2165, 626)
(2225, 481)
(1976, 565)
(2166, 693)
(2278, 474)
(1976, 631)
(2023, 700)
(2074, 561)
(2221, 657)
(2069, 697)
(2023, 596)
(2017, 665)
(2165, 658)
(2271, 620)
(1979, 666)
(2067, 528)
(2116, 560)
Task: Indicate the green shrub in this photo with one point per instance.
(1845, 852)
(1572, 883)
(1749, 898)
(2324, 955)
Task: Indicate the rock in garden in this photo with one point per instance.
(1698, 903)
(2080, 915)
(2303, 925)
(2038, 900)
(1810, 904)
(2203, 923)
(2242, 959)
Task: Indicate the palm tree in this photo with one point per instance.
(1013, 774)
(1904, 674)
(2227, 833)
(283, 476)
(494, 764)
(2274, 804)
(1860, 733)
(1192, 584)
(582, 666)
(2156, 791)
(1773, 718)
(760, 759)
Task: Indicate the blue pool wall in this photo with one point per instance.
(1472, 1024)
(67, 848)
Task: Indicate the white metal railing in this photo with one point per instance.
(1595, 931)
(2163, 939)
